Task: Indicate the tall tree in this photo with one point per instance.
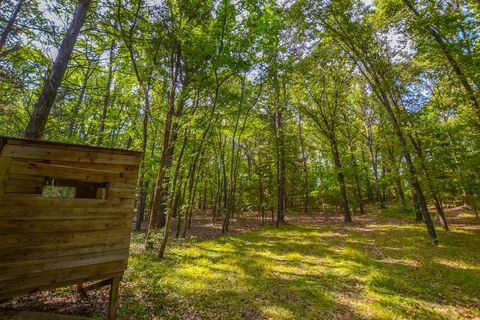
(38, 120)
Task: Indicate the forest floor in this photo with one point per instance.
(381, 266)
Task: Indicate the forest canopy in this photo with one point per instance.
(257, 106)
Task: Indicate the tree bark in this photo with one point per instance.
(38, 121)
(142, 190)
(340, 178)
(358, 188)
(106, 99)
(171, 200)
(374, 163)
(418, 212)
(78, 104)
(438, 206)
(304, 165)
(9, 27)
(158, 191)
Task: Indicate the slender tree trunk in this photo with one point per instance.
(159, 186)
(413, 175)
(8, 28)
(398, 182)
(142, 192)
(304, 165)
(261, 199)
(106, 99)
(418, 211)
(358, 188)
(401, 194)
(229, 204)
(341, 179)
(373, 159)
(281, 188)
(192, 188)
(438, 206)
(367, 178)
(38, 121)
(451, 59)
(181, 213)
(375, 79)
(166, 233)
(78, 104)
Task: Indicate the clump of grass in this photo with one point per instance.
(380, 270)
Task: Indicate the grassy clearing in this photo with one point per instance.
(378, 268)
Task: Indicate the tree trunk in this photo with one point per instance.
(367, 178)
(230, 200)
(106, 99)
(168, 222)
(38, 121)
(413, 174)
(304, 165)
(158, 195)
(281, 188)
(451, 59)
(358, 188)
(401, 193)
(374, 78)
(10, 23)
(142, 192)
(341, 179)
(438, 206)
(78, 104)
(373, 159)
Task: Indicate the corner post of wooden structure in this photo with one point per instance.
(112, 308)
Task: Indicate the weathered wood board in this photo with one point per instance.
(55, 239)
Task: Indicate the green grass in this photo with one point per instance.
(381, 269)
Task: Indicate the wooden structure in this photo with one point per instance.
(65, 215)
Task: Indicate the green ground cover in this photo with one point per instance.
(382, 267)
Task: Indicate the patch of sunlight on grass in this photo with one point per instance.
(457, 264)
(387, 270)
(277, 312)
(397, 307)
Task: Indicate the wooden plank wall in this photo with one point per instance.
(51, 242)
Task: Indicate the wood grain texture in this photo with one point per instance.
(51, 242)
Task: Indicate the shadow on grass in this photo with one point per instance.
(310, 272)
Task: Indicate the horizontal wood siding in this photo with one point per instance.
(51, 242)
(42, 153)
